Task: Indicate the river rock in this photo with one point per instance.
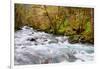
(74, 39)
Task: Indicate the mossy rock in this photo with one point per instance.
(87, 37)
(74, 39)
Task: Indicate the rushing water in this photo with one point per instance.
(34, 47)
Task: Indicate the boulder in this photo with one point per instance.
(74, 39)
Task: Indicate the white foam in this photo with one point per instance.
(48, 49)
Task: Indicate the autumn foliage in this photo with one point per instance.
(75, 22)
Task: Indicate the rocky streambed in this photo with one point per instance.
(34, 47)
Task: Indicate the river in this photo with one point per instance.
(35, 47)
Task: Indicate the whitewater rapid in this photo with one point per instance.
(34, 47)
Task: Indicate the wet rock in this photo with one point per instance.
(74, 39)
(35, 44)
(82, 39)
(45, 40)
(86, 40)
(71, 58)
(31, 39)
(18, 29)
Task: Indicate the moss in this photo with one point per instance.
(74, 39)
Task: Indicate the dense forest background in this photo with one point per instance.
(75, 22)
